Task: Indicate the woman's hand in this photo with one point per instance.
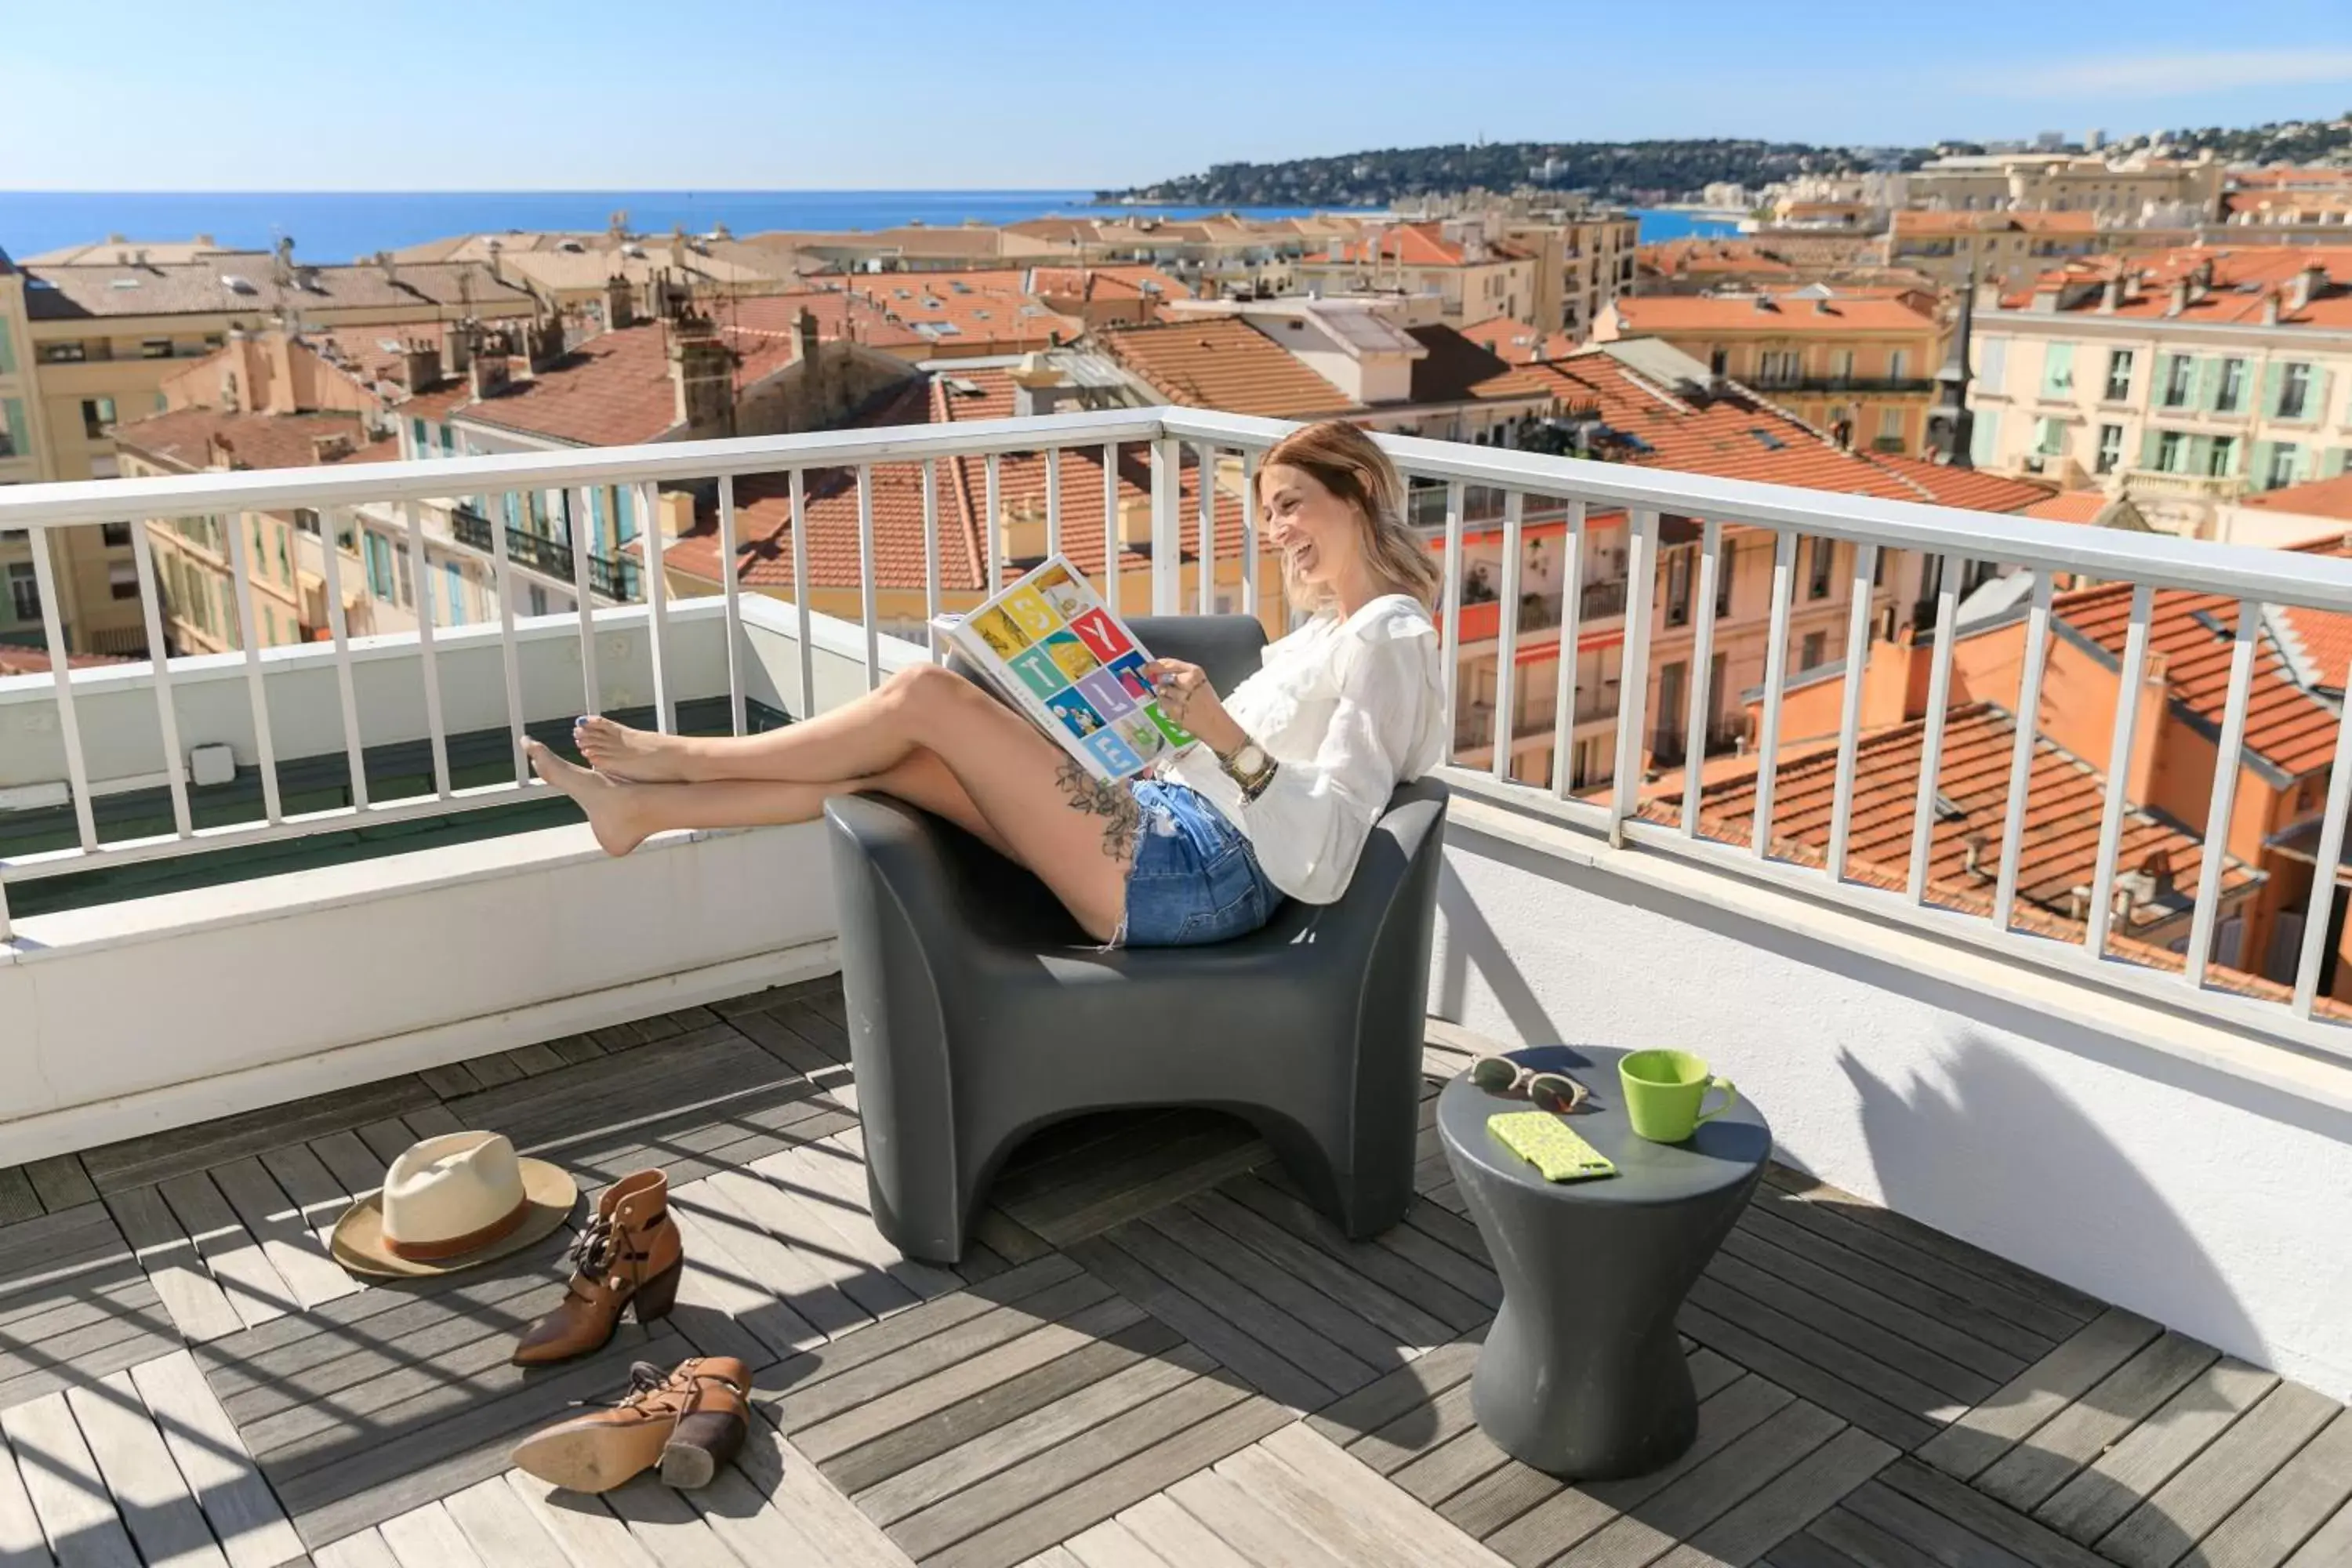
(1188, 698)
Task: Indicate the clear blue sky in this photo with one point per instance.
(703, 94)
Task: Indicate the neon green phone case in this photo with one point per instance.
(1547, 1143)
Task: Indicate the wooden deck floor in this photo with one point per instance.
(1158, 1358)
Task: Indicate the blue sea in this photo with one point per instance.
(329, 226)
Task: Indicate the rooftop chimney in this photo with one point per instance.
(618, 311)
(2270, 307)
(804, 335)
(487, 369)
(1035, 383)
(420, 365)
(702, 376)
(2112, 298)
(389, 268)
(2306, 284)
(2180, 296)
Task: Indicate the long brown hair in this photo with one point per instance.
(1345, 461)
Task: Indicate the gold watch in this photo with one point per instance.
(1249, 766)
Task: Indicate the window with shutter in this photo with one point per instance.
(2229, 397)
(2058, 370)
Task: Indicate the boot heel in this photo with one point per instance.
(656, 1296)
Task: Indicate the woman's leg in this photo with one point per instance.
(857, 739)
(979, 763)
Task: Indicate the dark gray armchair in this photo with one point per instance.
(979, 1012)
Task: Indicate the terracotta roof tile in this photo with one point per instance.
(2247, 282)
(187, 438)
(2320, 497)
(2071, 506)
(15, 660)
(2290, 727)
(615, 388)
(1518, 342)
(764, 505)
(1844, 314)
(1222, 363)
(196, 288)
(2065, 802)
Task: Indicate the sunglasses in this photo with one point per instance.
(1553, 1091)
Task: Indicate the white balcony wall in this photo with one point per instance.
(350, 973)
(2146, 1159)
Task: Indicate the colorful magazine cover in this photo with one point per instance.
(1064, 658)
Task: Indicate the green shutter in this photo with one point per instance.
(7, 352)
(2207, 386)
(20, 439)
(2333, 464)
(2258, 465)
(2058, 370)
(1984, 439)
(2306, 463)
(2274, 378)
(2199, 453)
(2148, 445)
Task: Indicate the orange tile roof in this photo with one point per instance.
(1115, 282)
(2070, 506)
(2319, 498)
(1974, 489)
(2065, 802)
(2288, 727)
(1458, 369)
(839, 313)
(1416, 245)
(615, 388)
(2244, 282)
(15, 660)
(1912, 223)
(764, 505)
(1768, 312)
(1222, 363)
(186, 437)
(1518, 342)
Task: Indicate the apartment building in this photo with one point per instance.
(2186, 379)
(1647, 403)
(1957, 248)
(2136, 189)
(20, 459)
(1384, 362)
(108, 327)
(572, 273)
(1583, 260)
(1474, 274)
(2285, 206)
(1859, 363)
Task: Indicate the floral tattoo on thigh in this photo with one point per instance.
(1111, 801)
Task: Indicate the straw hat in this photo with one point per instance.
(449, 1203)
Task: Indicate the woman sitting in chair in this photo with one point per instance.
(1292, 769)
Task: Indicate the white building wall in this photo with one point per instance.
(2207, 1200)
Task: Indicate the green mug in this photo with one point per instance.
(1663, 1093)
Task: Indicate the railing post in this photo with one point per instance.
(45, 583)
(1506, 634)
(657, 604)
(584, 597)
(800, 593)
(1572, 623)
(1633, 696)
(1167, 526)
(1451, 608)
(167, 718)
(737, 718)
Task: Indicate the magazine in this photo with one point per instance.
(1064, 658)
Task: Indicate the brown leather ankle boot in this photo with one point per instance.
(629, 1256)
(711, 1423)
(603, 1448)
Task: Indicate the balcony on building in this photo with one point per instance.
(2051, 1268)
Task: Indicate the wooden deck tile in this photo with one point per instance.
(2123, 1477)
(212, 1459)
(2212, 1486)
(2039, 1393)
(69, 1496)
(2028, 1474)
(148, 1495)
(159, 1156)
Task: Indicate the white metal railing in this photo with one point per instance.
(1225, 450)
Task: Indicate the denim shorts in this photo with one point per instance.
(1194, 877)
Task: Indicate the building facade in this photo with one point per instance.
(1859, 363)
(2132, 190)
(2184, 380)
(1474, 275)
(1957, 249)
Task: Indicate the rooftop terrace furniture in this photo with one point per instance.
(979, 1013)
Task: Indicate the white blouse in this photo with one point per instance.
(1349, 709)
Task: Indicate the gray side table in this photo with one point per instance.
(1581, 1374)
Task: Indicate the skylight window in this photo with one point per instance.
(1771, 442)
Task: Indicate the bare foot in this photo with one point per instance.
(631, 756)
(611, 803)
